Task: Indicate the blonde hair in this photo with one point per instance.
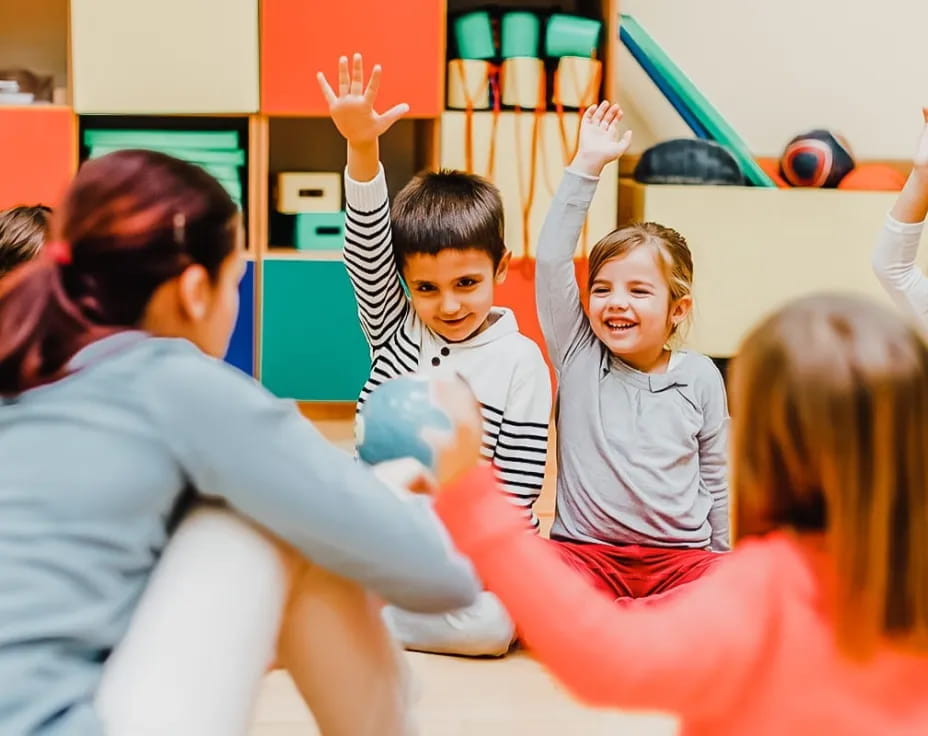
(830, 433)
(673, 253)
(23, 232)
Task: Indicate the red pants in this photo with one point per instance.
(632, 571)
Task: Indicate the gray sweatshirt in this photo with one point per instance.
(91, 468)
(641, 458)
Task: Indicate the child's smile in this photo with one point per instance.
(453, 290)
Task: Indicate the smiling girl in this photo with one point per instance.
(642, 489)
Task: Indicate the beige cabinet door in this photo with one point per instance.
(167, 57)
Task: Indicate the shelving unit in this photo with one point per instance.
(250, 66)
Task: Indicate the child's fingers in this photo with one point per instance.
(373, 84)
(344, 80)
(588, 114)
(357, 74)
(614, 114)
(600, 111)
(326, 88)
(625, 141)
(393, 114)
(406, 472)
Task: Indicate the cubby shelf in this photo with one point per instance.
(298, 328)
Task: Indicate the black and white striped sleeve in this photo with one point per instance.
(368, 255)
(522, 443)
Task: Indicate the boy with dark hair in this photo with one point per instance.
(445, 240)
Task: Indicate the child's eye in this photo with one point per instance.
(465, 283)
(600, 291)
(425, 287)
(641, 292)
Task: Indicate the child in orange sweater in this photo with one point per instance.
(818, 621)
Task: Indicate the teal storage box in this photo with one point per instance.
(319, 230)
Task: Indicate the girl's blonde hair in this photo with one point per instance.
(830, 433)
(673, 253)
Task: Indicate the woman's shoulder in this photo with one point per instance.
(171, 369)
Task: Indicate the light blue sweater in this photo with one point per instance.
(91, 468)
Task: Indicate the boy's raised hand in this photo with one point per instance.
(599, 138)
(352, 109)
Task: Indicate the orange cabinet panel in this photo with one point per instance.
(518, 293)
(38, 151)
(302, 37)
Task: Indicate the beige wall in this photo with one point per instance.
(774, 68)
(34, 36)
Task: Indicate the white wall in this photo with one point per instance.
(778, 67)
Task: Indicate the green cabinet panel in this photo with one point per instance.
(312, 345)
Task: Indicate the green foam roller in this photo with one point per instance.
(319, 230)
(474, 35)
(204, 139)
(520, 34)
(571, 35)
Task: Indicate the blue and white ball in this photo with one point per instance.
(390, 424)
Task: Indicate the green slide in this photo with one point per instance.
(717, 127)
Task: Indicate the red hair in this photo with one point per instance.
(131, 220)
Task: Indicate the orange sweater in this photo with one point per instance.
(748, 649)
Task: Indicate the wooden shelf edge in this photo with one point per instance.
(327, 410)
(34, 108)
(292, 254)
(166, 114)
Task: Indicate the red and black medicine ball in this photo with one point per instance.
(818, 158)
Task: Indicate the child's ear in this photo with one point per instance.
(194, 292)
(680, 309)
(503, 268)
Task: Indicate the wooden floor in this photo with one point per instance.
(463, 697)
(469, 697)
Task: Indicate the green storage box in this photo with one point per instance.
(571, 35)
(319, 230)
(521, 32)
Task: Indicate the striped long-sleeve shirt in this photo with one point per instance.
(504, 368)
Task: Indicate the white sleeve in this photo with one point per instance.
(369, 259)
(894, 265)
